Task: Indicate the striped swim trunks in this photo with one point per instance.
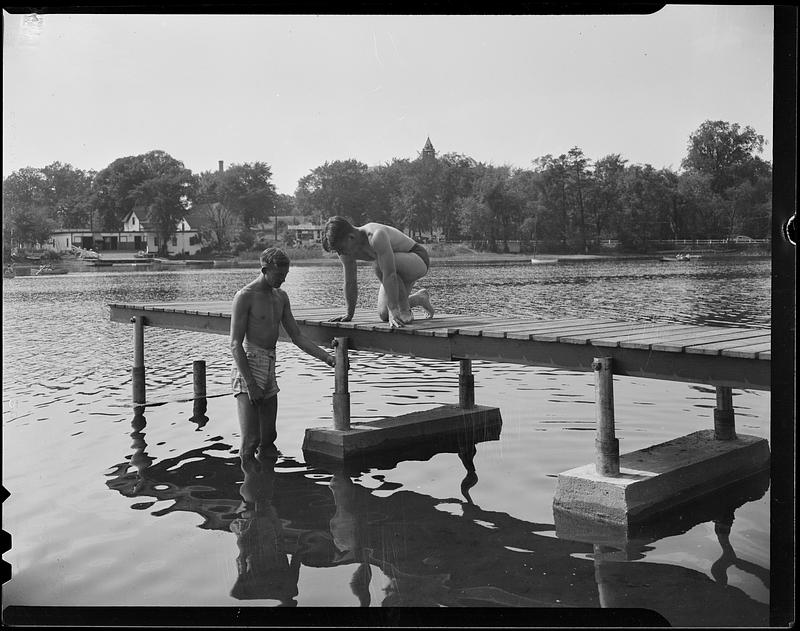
(262, 367)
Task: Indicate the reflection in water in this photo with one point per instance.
(284, 519)
(719, 569)
(139, 458)
(199, 408)
(264, 571)
(685, 594)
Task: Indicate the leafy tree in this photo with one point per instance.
(552, 179)
(285, 205)
(335, 188)
(608, 175)
(166, 199)
(26, 226)
(247, 189)
(456, 175)
(475, 219)
(577, 177)
(67, 194)
(121, 186)
(221, 224)
(55, 196)
(725, 152)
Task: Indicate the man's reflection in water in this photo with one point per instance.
(264, 571)
(348, 526)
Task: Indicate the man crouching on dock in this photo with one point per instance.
(258, 310)
(399, 263)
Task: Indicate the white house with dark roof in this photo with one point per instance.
(137, 234)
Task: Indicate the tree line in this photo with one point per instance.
(568, 202)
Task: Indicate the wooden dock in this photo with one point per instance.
(722, 357)
(733, 357)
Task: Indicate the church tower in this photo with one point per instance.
(428, 152)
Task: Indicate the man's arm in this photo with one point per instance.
(300, 340)
(350, 287)
(239, 315)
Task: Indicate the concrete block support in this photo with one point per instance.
(402, 431)
(660, 477)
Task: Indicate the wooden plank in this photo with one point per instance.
(751, 350)
(642, 341)
(491, 328)
(704, 335)
(715, 348)
(556, 335)
(547, 326)
(585, 336)
(526, 327)
(320, 314)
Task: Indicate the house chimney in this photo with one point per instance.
(220, 167)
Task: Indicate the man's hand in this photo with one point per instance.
(255, 393)
(344, 318)
(395, 320)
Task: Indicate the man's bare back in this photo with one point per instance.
(399, 263)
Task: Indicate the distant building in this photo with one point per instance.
(428, 152)
(137, 234)
(306, 233)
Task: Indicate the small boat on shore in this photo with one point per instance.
(680, 257)
(49, 270)
(535, 261)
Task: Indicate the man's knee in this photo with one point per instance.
(383, 314)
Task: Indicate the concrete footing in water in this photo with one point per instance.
(475, 424)
(655, 479)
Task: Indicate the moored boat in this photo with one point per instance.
(49, 270)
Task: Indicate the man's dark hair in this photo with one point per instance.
(274, 257)
(335, 230)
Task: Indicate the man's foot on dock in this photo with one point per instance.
(425, 302)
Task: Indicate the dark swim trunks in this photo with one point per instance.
(421, 253)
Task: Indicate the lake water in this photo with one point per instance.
(113, 509)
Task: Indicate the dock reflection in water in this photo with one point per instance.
(287, 515)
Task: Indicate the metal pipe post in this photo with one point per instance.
(137, 372)
(341, 394)
(724, 422)
(606, 444)
(466, 384)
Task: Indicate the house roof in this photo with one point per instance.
(197, 216)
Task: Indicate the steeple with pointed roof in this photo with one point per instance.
(428, 151)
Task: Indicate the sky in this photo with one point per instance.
(296, 91)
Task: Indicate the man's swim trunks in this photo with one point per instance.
(421, 253)
(262, 367)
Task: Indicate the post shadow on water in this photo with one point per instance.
(284, 519)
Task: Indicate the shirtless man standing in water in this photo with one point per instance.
(399, 263)
(258, 310)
